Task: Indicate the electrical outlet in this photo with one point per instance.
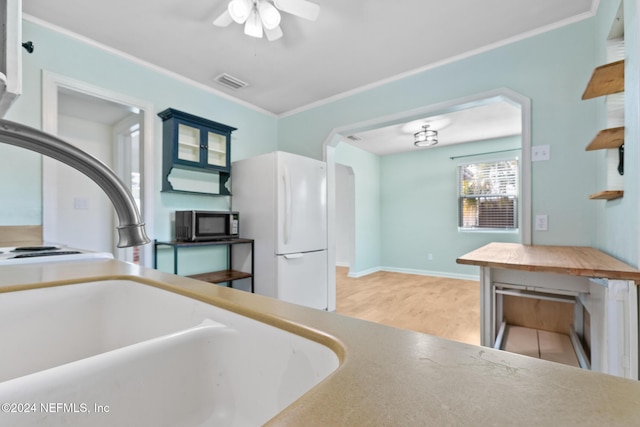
(430, 257)
(540, 153)
(542, 222)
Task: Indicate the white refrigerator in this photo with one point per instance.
(282, 202)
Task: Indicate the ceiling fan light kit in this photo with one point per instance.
(252, 26)
(263, 16)
(269, 15)
(240, 10)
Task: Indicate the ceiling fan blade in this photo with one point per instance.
(302, 8)
(223, 20)
(273, 34)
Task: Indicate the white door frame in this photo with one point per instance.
(122, 165)
(51, 82)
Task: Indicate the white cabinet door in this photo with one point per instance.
(11, 51)
(301, 210)
(302, 279)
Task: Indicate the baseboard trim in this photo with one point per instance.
(364, 272)
(444, 274)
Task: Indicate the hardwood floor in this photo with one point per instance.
(448, 308)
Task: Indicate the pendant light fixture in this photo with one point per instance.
(426, 137)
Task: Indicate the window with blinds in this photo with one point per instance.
(488, 195)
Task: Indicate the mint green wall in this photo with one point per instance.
(367, 176)
(617, 221)
(406, 208)
(60, 54)
(551, 69)
(419, 208)
(21, 188)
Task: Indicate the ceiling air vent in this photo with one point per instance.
(230, 81)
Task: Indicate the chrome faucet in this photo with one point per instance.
(131, 230)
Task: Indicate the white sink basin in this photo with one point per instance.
(120, 352)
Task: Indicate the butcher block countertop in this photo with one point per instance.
(572, 260)
(388, 376)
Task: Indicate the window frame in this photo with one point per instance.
(516, 197)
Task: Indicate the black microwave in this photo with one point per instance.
(197, 226)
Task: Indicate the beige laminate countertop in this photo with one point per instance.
(573, 260)
(387, 376)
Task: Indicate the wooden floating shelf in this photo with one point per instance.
(221, 276)
(606, 80)
(607, 195)
(607, 138)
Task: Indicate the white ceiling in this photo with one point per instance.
(87, 107)
(495, 119)
(354, 44)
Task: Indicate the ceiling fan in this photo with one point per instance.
(260, 16)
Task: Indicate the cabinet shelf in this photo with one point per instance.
(221, 276)
(605, 80)
(188, 144)
(607, 138)
(607, 195)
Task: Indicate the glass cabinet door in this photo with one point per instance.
(188, 143)
(196, 151)
(217, 149)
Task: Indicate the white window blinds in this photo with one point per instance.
(488, 195)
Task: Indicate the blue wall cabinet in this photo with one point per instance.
(191, 143)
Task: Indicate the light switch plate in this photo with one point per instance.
(542, 222)
(540, 153)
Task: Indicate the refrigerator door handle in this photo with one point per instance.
(293, 256)
(287, 202)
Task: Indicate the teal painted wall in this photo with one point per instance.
(406, 208)
(617, 228)
(419, 207)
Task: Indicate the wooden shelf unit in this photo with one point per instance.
(607, 138)
(605, 80)
(222, 276)
(607, 195)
